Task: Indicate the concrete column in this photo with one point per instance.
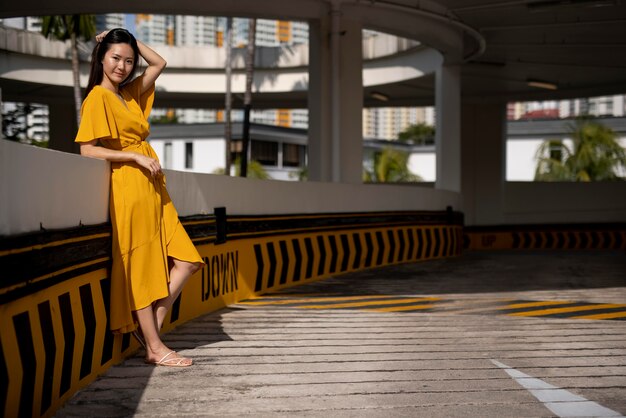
(350, 114)
(483, 131)
(63, 127)
(319, 146)
(448, 128)
(335, 99)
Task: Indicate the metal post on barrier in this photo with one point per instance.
(220, 225)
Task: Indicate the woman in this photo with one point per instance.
(152, 254)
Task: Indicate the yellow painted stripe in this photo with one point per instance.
(348, 215)
(402, 308)
(207, 221)
(565, 310)
(360, 304)
(534, 304)
(56, 273)
(311, 231)
(320, 299)
(610, 315)
(53, 244)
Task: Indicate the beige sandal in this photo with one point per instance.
(172, 362)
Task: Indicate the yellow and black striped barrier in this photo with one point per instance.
(557, 237)
(563, 309)
(54, 292)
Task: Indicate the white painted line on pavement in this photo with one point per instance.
(560, 401)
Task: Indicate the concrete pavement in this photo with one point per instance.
(432, 339)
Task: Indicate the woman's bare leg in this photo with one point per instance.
(180, 272)
(155, 349)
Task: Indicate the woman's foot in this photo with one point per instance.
(167, 357)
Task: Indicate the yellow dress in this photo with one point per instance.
(146, 229)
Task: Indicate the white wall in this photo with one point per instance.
(424, 165)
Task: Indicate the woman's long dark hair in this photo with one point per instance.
(115, 36)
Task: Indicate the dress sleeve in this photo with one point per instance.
(145, 99)
(97, 120)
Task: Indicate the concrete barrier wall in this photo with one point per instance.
(40, 188)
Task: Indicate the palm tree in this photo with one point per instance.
(594, 155)
(255, 170)
(247, 98)
(390, 166)
(419, 133)
(228, 100)
(72, 27)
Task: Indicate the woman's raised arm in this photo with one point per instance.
(156, 64)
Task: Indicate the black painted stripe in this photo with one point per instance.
(420, 243)
(560, 240)
(298, 259)
(549, 240)
(24, 334)
(411, 252)
(30, 288)
(334, 256)
(258, 284)
(284, 255)
(437, 233)
(346, 252)
(450, 237)
(527, 240)
(107, 347)
(358, 250)
(429, 242)
(402, 247)
(310, 257)
(381, 248)
(588, 312)
(556, 305)
(65, 305)
(50, 348)
(89, 320)
(271, 254)
(36, 262)
(372, 299)
(516, 240)
(619, 239)
(392, 246)
(247, 226)
(370, 249)
(322, 251)
(573, 241)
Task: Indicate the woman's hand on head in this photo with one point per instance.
(150, 164)
(101, 35)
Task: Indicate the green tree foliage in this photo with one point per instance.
(419, 134)
(72, 27)
(390, 166)
(255, 170)
(595, 155)
(164, 120)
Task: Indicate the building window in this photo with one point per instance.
(188, 154)
(293, 155)
(167, 155)
(265, 152)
